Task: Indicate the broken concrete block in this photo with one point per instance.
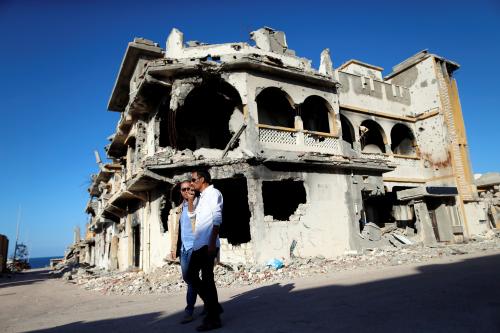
(410, 232)
(175, 43)
(372, 232)
(402, 239)
(270, 40)
(326, 65)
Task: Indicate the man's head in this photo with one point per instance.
(200, 179)
(185, 188)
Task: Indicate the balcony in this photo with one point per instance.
(282, 138)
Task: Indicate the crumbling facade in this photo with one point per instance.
(310, 162)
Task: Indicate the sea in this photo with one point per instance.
(41, 262)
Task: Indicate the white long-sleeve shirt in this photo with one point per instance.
(208, 213)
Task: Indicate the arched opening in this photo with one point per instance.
(371, 137)
(347, 130)
(274, 108)
(314, 112)
(203, 120)
(402, 140)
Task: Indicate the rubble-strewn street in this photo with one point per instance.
(448, 293)
(167, 279)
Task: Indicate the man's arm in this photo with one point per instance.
(213, 239)
(216, 204)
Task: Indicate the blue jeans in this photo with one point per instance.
(191, 292)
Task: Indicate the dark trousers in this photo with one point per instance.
(205, 287)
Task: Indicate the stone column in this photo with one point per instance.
(114, 253)
(424, 223)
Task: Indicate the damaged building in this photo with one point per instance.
(309, 161)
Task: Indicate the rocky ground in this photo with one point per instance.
(167, 279)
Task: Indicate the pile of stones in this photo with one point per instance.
(167, 279)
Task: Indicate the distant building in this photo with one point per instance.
(305, 158)
(4, 249)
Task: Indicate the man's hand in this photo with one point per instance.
(212, 249)
(190, 199)
(172, 255)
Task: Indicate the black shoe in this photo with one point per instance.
(209, 325)
(187, 319)
(204, 312)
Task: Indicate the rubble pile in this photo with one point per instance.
(167, 279)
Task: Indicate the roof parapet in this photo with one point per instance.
(139, 48)
(418, 57)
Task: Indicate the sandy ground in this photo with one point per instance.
(453, 294)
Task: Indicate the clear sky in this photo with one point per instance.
(59, 61)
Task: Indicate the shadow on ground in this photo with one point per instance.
(458, 297)
(24, 278)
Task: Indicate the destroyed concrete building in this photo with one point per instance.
(310, 162)
(488, 186)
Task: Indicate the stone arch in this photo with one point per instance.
(203, 121)
(372, 137)
(275, 108)
(403, 140)
(316, 113)
(348, 134)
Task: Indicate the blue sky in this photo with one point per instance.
(59, 60)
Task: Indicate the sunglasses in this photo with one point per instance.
(186, 189)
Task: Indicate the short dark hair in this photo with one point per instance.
(205, 174)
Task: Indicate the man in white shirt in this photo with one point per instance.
(208, 215)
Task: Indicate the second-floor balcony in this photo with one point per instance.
(273, 137)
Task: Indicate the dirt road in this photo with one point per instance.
(454, 294)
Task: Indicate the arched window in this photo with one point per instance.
(372, 137)
(402, 140)
(347, 130)
(314, 112)
(203, 120)
(274, 108)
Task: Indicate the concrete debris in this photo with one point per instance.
(167, 279)
(326, 64)
(402, 239)
(372, 232)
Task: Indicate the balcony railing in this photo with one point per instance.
(298, 140)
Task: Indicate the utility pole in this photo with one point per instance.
(17, 231)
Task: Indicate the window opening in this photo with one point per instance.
(236, 212)
(402, 140)
(371, 137)
(203, 120)
(274, 108)
(347, 130)
(314, 112)
(282, 198)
